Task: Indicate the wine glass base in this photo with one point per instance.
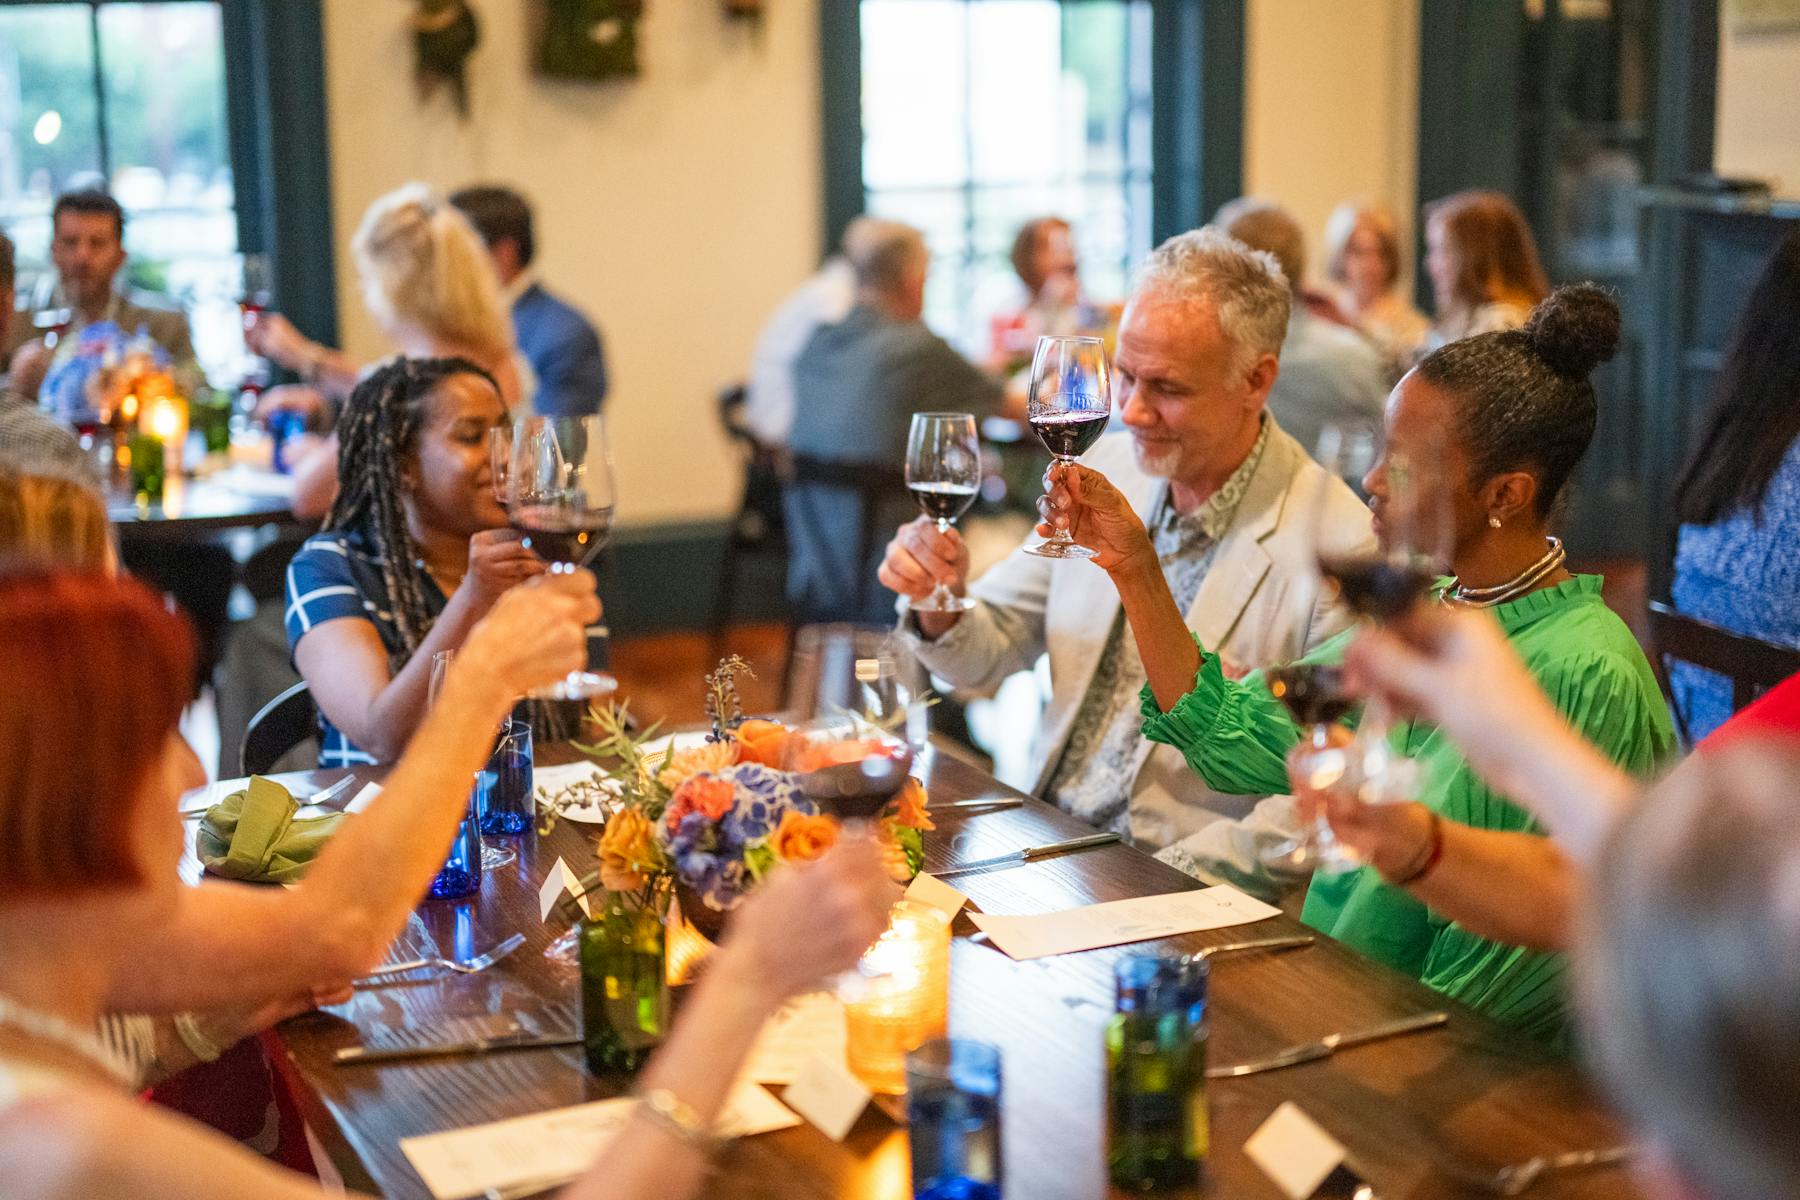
(578, 685)
(1061, 550)
(494, 857)
(954, 604)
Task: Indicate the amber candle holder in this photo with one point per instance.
(898, 998)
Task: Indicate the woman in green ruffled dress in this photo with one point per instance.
(1511, 413)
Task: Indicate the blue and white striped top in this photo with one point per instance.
(337, 575)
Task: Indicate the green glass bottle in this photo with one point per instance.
(1157, 1121)
(624, 979)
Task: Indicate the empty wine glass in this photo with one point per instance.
(851, 692)
(943, 472)
(1070, 403)
(559, 495)
(500, 444)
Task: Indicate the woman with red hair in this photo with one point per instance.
(92, 913)
(1483, 263)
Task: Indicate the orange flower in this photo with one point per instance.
(802, 838)
(684, 765)
(703, 794)
(913, 805)
(625, 851)
(762, 742)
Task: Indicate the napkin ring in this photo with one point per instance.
(678, 1118)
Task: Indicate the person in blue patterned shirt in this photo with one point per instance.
(414, 552)
(1738, 560)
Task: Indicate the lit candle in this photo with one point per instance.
(166, 420)
(900, 996)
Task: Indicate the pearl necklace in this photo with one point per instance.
(1513, 588)
(44, 1027)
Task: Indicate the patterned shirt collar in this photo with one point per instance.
(1210, 521)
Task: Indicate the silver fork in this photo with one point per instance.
(469, 967)
(1514, 1178)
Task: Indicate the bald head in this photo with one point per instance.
(1261, 225)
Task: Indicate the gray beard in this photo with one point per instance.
(1157, 466)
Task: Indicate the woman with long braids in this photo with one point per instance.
(1511, 414)
(414, 552)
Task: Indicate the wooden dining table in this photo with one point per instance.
(199, 509)
(1421, 1116)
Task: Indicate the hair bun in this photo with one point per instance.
(1575, 329)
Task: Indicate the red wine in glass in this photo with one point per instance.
(1312, 692)
(1377, 587)
(1068, 435)
(560, 535)
(943, 501)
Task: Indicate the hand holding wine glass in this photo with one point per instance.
(559, 496)
(943, 472)
(1069, 406)
(1083, 505)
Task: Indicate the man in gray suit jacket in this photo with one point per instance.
(87, 246)
(1229, 500)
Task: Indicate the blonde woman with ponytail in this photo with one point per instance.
(428, 282)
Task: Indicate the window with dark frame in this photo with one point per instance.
(130, 96)
(979, 115)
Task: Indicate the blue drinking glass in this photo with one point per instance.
(953, 1119)
(461, 873)
(503, 792)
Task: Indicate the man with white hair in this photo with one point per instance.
(1230, 501)
(856, 387)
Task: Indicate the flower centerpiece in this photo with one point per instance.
(714, 820)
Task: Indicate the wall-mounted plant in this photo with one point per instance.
(589, 39)
(445, 33)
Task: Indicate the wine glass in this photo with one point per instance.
(559, 495)
(851, 692)
(500, 445)
(943, 472)
(1071, 401)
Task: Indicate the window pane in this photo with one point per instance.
(979, 115)
(171, 166)
(49, 130)
(915, 105)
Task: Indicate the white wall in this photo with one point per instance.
(1758, 123)
(1331, 108)
(675, 209)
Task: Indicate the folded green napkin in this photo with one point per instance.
(254, 836)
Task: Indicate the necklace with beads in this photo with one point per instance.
(53, 1030)
(1513, 588)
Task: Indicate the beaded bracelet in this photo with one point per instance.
(678, 1118)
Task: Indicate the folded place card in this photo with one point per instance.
(560, 879)
(1122, 921)
(364, 798)
(554, 1147)
(929, 889)
(1294, 1152)
(806, 1027)
(827, 1094)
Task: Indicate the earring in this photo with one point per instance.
(1494, 522)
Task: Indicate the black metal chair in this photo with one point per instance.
(760, 526)
(282, 724)
(1753, 666)
(818, 492)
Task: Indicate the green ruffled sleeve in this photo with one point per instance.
(1615, 704)
(1232, 733)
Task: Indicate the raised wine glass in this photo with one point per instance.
(559, 495)
(943, 472)
(1071, 401)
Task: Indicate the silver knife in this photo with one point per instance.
(1330, 1044)
(1030, 853)
(982, 802)
(511, 1041)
